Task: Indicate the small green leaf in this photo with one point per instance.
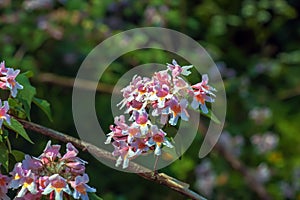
(93, 196)
(19, 155)
(15, 108)
(4, 155)
(26, 94)
(11, 161)
(44, 106)
(17, 127)
(212, 116)
(28, 74)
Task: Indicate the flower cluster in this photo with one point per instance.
(164, 96)
(50, 174)
(8, 79)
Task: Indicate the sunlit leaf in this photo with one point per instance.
(17, 127)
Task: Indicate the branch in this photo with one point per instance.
(160, 178)
(69, 82)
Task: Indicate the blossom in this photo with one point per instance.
(81, 188)
(8, 79)
(141, 121)
(3, 112)
(18, 176)
(3, 186)
(177, 69)
(11, 83)
(166, 96)
(29, 184)
(51, 152)
(3, 69)
(202, 94)
(178, 109)
(158, 139)
(31, 163)
(124, 152)
(119, 131)
(59, 185)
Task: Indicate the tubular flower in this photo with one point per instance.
(166, 96)
(8, 79)
(202, 94)
(81, 188)
(3, 113)
(57, 184)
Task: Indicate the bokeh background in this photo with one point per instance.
(255, 45)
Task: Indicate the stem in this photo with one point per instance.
(155, 164)
(8, 145)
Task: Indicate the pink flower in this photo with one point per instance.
(158, 139)
(124, 153)
(71, 152)
(31, 163)
(118, 132)
(51, 152)
(11, 83)
(18, 176)
(178, 109)
(43, 183)
(4, 186)
(7, 79)
(202, 94)
(177, 69)
(81, 188)
(3, 113)
(3, 69)
(59, 185)
(29, 184)
(141, 121)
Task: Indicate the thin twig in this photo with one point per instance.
(160, 178)
(240, 167)
(69, 82)
(237, 165)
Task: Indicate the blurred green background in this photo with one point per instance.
(254, 43)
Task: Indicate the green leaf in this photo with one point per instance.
(11, 162)
(19, 155)
(44, 106)
(17, 127)
(16, 109)
(26, 94)
(28, 74)
(93, 196)
(4, 155)
(212, 116)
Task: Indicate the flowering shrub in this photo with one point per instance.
(50, 175)
(166, 94)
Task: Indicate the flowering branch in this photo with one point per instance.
(235, 163)
(160, 178)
